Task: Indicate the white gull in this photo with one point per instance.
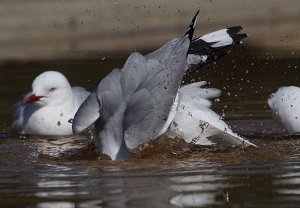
(49, 108)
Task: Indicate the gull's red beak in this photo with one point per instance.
(32, 98)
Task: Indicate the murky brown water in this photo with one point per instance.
(65, 172)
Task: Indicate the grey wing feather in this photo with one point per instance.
(109, 126)
(132, 74)
(87, 113)
(90, 109)
(110, 94)
(162, 83)
(163, 52)
(138, 117)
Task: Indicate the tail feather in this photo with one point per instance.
(215, 45)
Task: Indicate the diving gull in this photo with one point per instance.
(136, 104)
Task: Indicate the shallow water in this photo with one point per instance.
(65, 172)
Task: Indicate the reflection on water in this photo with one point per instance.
(193, 199)
(214, 178)
(197, 190)
(62, 147)
(65, 172)
(287, 182)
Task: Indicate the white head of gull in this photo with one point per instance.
(137, 104)
(285, 106)
(49, 108)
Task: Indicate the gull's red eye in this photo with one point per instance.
(52, 89)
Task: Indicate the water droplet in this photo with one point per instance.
(71, 120)
(103, 58)
(22, 137)
(227, 197)
(58, 123)
(61, 114)
(90, 135)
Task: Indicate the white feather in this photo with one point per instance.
(221, 37)
(196, 122)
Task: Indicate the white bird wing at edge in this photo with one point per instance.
(226, 133)
(195, 99)
(233, 138)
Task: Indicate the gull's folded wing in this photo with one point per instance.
(158, 89)
(90, 110)
(87, 114)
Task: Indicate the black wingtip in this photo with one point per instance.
(191, 28)
(234, 29)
